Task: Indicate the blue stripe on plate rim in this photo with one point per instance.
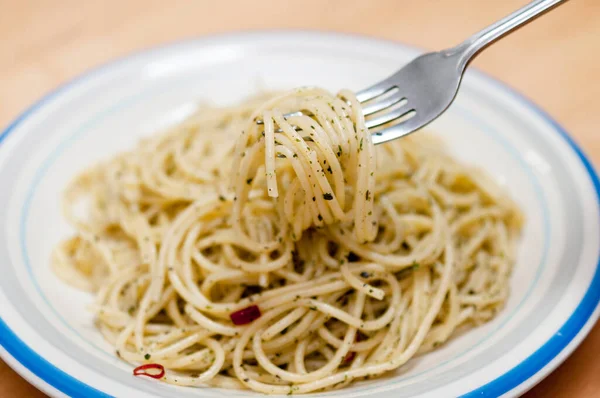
(510, 380)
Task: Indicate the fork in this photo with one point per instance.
(422, 90)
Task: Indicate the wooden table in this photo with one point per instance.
(555, 61)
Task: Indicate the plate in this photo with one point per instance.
(47, 335)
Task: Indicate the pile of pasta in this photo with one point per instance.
(244, 248)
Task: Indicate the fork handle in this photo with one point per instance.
(473, 45)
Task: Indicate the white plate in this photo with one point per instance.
(49, 338)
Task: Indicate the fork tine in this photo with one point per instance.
(401, 129)
(294, 127)
(388, 116)
(377, 106)
(374, 91)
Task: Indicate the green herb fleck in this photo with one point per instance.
(352, 257)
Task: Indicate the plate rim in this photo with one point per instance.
(50, 379)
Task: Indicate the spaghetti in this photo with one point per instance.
(289, 256)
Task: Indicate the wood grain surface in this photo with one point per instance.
(554, 61)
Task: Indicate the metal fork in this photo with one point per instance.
(422, 90)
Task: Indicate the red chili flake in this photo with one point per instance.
(245, 315)
(349, 357)
(142, 370)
